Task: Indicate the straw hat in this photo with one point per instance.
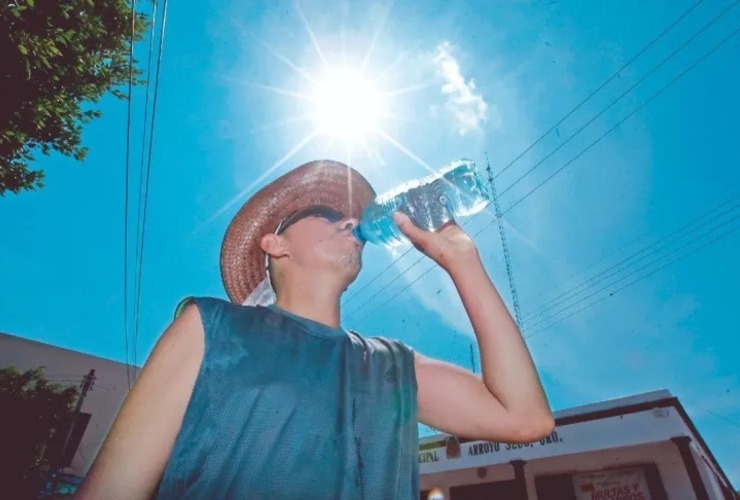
(322, 182)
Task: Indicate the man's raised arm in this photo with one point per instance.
(508, 404)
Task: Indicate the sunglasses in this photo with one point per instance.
(321, 211)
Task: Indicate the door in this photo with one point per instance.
(500, 490)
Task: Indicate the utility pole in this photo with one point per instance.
(504, 246)
(57, 468)
(87, 384)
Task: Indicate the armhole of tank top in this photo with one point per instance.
(404, 349)
(208, 309)
(410, 355)
(205, 308)
(414, 382)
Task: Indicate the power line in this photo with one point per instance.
(721, 417)
(396, 278)
(560, 284)
(355, 294)
(65, 383)
(632, 113)
(628, 261)
(633, 282)
(146, 112)
(384, 287)
(600, 87)
(137, 257)
(427, 271)
(623, 94)
(148, 171)
(649, 264)
(612, 129)
(644, 49)
(127, 182)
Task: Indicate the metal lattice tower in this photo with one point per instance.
(504, 246)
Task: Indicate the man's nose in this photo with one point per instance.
(349, 223)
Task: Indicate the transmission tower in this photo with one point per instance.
(504, 246)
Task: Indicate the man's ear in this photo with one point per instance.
(274, 245)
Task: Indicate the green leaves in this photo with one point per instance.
(57, 62)
(32, 406)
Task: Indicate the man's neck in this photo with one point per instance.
(317, 305)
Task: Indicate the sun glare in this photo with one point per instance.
(346, 106)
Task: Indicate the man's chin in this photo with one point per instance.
(351, 263)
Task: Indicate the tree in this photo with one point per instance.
(32, 411)
(58, 59)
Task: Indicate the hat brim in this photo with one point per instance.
(322, 182)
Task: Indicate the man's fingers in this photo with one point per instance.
(408, 228)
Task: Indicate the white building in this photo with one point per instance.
(68, 368)
(643, 447)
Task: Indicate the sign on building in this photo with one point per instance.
(614, 484)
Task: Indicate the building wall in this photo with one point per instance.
(707, 473)
(664, 454)
(607, 432)
(445, 480)
(102, 402)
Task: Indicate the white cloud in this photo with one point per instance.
(467, 106)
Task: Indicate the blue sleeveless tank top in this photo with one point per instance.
(287, 408)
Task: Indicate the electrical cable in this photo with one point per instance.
(137, 257)
(511, 207)
(148, 172)
(633, 282)
(126, 195)
(653, 247)
(612, 77)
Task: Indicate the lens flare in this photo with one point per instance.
(346, 106)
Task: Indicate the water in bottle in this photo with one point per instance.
(454, 191)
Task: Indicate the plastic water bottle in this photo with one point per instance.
(454, 191)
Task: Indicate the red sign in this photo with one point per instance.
(617, 484)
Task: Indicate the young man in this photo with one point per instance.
(275, 400)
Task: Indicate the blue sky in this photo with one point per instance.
(461, 81)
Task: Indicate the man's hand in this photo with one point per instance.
(447, 246)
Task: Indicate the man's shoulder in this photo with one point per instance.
(209, 304)
(382, 342)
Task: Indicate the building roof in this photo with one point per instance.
(62, 350)
(612, 404)
(595, 410)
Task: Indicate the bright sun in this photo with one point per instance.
(346, 106)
